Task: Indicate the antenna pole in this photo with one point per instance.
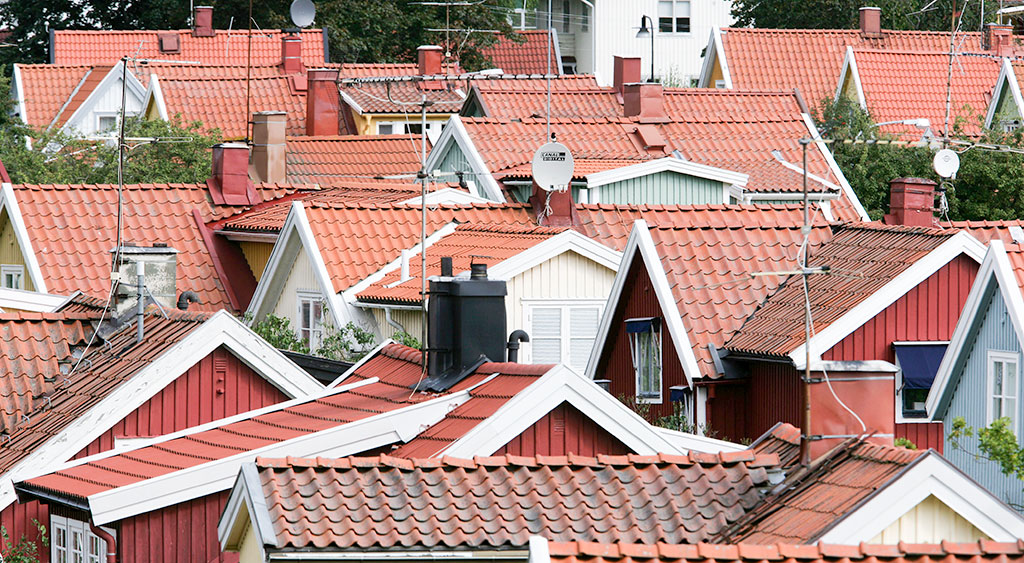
(548, 137)
(120, 160)
(423, 230)
(248, 68)
(805, 434)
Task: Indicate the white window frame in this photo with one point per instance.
(66, 528)
(566, 340)
(992, 357)
(634, 354)
(302, 297)
(99, 115)
(674, 17)
(584, 18)
(12, 270)
(398, 127)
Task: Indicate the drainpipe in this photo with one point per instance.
(392, 322)
(140, 303)
(108, 538)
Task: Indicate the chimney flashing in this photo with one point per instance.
(645, 101)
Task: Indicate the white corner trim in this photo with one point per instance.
(155, 94)
(246, 503)
(692, 442)
(834, 167)
(34, 301)
(455, 132)
(850, 66)
(929, 475)
(19, 92)
(557, 386)
(347, 100)
(400, 425)
(714, 52)
(447, 196)
(539, 552)
(960, 243)
(668, 164)
(561, 243)
(9, 201)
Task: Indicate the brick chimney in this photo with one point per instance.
(999, 39)
(626, 70)
(562, 208)
(230, 184)
(646, 101)
(291, 54)
(268, 148)
(430, 57)
(911, 202)
(202, 26)
(870, 22)
(323, 102)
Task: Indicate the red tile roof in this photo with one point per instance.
(481, 243)
(902, 85)
(810, 501)
(373, 70)
(527, 53)
(1015, 253)
(978, 552)
(36, 351)
(811, 59)
(500, 502)
(326, 160)
(573, 96)
(107, 365)
(865, 257)
(402, 98)
(47, 88)
(72, 229)
(73, 47)
(986, 231)
(783, 440)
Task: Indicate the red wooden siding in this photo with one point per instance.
(924, 435)
(775, 396)
(183, 532)
(562, 431)
(927, 312)
(219, 385)
(17, 520)
(726, 409)
(637, 301)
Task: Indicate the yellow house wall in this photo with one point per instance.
(257, 254)
(411, 320)
(716, 73)
(849, 90)
(366, 124)
(10, 250)
(931, 521)
(249, 548)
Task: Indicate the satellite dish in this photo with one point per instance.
(553, 166)
(946, 163)
(303, 12)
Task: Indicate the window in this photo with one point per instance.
(12, 276)
(561, 333)
(918, 362)
(434, 128)
(645, 347)
(74, 542)
(105, 123)
(566, 16)
(311, 319)
(674, 16)
(1003, 374)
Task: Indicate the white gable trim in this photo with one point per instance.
(222, 329)
(714, 52)
(343, 440)
(155, 96)
(929, 475)
(996, 268)
(640, 241)
(246, 503)
(960, 243)
(669, 164)
(447, 196)
(850, 68)
(350, 102)
(9, 202)
(34, 301)
(455, 132)
(109, 81)
(1007, 79)
(19, 93)
(561, 243)
(692, 442)
(557, 386)
(834, 166)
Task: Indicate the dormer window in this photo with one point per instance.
(645, 348)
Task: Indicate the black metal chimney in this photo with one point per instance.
(466, 327)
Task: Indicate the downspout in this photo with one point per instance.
(392, 322)
(109, 539)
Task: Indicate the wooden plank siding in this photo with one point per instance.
(257, 254)
(564, 430)
(662, 188)
(10, 250)
(775, 396)
(18, 519)
(924, 435)
(183, 532)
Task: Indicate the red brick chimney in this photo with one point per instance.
(323, 102)
(268, 146)
(554, 208)
(230, 183)
(430, 57)
(911, 202)
(202, 25)
(626, 70)
(870, 22)
(291, 54)
(646, 101)
(999, 39)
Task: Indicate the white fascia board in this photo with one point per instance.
(930, 475)
(667, 164)
(866, 366)
(244, 236)
(109, 81)
(19, 93)
(539, 552)
(339, 313)
(554, 246)
(222, 329)
(715, 53)
(347, 100)
(34, 301)
(246, 504)
(356, 366)
(1005, 73)
(455, 132)
(557, 386)
(850, 68)
(958, 244)
(447, 196)
(847, 189)
(155, 95)
(814, 197)
(215, 476)
(9, 202)
(694, 443)
(277, 265)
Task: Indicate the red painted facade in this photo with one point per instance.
(775, 396)
(924, 435)
(183, 532)
(638, 300)
(564, 430)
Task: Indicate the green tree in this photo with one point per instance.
(921, 15)
(995, 442)
(26, 549)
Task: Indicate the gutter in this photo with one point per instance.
(333, 555)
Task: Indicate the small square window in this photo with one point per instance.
(1003, 387)
(386, 129)
(674, 16)
(12, 276)
(106, 123)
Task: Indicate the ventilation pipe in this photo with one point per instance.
(514, 341)
(186, 298)
(140, 303)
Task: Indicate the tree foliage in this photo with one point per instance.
(996, 442)
(924, 15)
(25, 549)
